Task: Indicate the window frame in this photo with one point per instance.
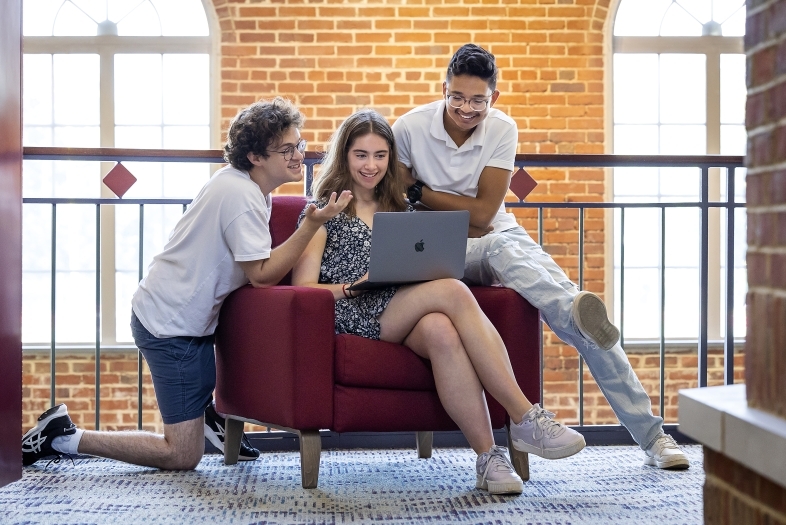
(106, 47)
(712, 47)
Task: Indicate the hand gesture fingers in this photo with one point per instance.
(334, 206)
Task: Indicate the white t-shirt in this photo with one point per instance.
(425, 147)
(188, 281)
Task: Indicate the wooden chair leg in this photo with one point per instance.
(310, 450)
(520, 460)
(425, 441)
(233, 434)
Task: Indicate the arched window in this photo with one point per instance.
(678, 88)
(107, 73)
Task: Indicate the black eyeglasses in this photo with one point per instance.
(475, 104)
(289, 151)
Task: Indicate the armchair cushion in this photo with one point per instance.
(380, 365)
(385, 410)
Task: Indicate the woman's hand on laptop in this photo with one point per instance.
(334, 206)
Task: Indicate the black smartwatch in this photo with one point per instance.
(415, 192)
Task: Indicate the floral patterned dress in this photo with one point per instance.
(345, 260)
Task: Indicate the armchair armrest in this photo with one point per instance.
(275, 356)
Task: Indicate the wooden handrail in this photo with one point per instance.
(522, 159)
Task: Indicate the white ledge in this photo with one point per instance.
(719, 418)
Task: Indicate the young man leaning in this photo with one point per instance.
(221, 243)
(458, 154)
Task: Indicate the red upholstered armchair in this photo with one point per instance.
(280, 364)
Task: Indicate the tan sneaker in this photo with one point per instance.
(590, 316)
(496, 474)
(665, 453)
(539, 434)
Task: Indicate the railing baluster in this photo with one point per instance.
(728, 345)
(662, 350)
(139, 367)
(622, 276)
(703, 274)
(542, 362)
(52, 358)
(98, 316)
(581, 287)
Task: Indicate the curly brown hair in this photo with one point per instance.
(257, 127)
(334, 173)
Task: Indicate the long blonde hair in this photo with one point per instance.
(334, 174)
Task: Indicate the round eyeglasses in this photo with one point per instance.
(475, 104)
(289, 151)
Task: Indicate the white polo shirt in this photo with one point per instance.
(187, 282)
(425, 147)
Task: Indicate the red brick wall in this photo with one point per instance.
(734, 494)
(765, 46)
(332, 58)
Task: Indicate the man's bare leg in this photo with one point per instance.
(180, 448)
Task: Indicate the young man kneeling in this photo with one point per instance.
(221, 243)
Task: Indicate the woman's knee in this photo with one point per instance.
(452, 291)
(440, 335)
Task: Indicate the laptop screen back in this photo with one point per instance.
(418, 246)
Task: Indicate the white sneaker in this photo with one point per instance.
(590, 316)
(665, 453)
(539, 434)
(496, 474)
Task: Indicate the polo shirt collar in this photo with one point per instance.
(438, 130)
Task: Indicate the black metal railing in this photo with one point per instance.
(703, 204)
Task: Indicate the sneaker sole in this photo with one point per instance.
(674, 464)
(44, 419)
(494, 487)
(213, 438)
(550, 453)
(590, 315)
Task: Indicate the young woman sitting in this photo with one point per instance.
(439, 320)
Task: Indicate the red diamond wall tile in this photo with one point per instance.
(119, 180)
(522, 183)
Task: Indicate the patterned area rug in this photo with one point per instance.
(600, 485)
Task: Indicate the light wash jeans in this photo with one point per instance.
(513, 259)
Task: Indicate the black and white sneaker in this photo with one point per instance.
(214, 432)
(37, 442)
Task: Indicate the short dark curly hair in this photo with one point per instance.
(257, 127)
(473, 60)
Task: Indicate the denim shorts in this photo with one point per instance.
(183, 370)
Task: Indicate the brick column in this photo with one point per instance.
(732, 492)
(765, 45)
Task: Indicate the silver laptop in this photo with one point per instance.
(415, 247)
